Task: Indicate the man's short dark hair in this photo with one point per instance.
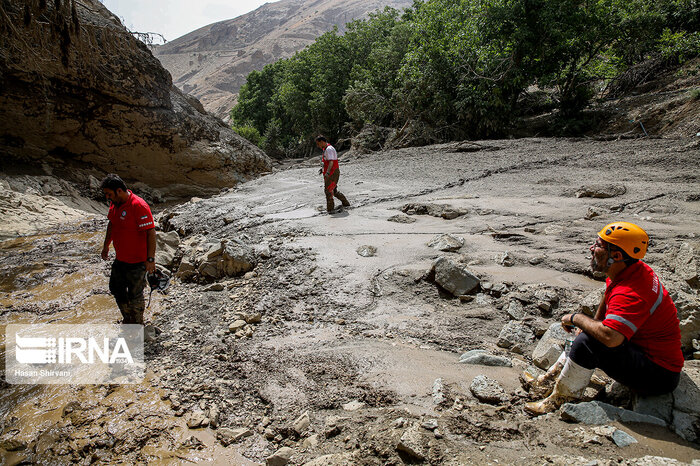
(113, 182)
(321, 138)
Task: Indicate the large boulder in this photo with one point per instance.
(454, 276)
(686, 265)
(227, 258)
(688, 307)
(515, 333)
(81, 91)
(550, 346)
(166, 247)
(686, 411)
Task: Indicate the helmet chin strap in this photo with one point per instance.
(611, 261)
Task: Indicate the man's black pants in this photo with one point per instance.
(625, 363)
(126, 283)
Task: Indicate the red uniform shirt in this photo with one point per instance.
(639, 307)
(130, 223)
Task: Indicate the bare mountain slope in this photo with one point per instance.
(212, 62)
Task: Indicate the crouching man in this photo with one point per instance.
(634, 336)
(131, 229)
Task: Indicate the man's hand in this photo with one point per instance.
(105, 253)
(150, 267)
(566, 323)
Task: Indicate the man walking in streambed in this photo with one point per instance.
(331, 174)
(133, 233)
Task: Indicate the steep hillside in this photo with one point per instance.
(81, 96)
(212, 62)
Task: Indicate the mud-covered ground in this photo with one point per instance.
(358, 342)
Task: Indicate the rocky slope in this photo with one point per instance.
(212, 63)
(82, 97)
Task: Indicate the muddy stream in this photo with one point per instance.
(66, 283)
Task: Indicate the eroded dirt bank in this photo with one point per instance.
(328, 352)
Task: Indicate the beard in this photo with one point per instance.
(598, 268)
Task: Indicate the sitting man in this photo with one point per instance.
(634, 336)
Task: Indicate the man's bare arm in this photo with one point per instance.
(595, 328)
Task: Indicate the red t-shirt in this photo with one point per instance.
(639, 307)
(130, 223)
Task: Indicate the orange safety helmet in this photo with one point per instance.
(626, 236)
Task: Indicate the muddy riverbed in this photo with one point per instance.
(338, 354)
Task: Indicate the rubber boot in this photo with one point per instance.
(542, 386)
(341, 197)
(570, 386)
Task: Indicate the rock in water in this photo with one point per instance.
(454, 277)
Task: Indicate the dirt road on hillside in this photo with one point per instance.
(357, 356)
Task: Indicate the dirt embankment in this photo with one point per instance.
(324, 351)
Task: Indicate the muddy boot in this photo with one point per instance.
(570, 386)
(124, 309)
(137, 313)
(542, 386)
(343, 200)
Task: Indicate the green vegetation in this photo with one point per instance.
(460, 67)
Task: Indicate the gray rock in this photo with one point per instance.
(429, 424)
(454, 277)
(228, 436)
(589, 304)
(688, 307)
(601, 191)
(481, 357)
(686, 414)
(447, 243)
(657, 406)
(237, 325)
(686, 266)
(550, 346)
(686, 425)
(487, 390)
(687, 394)
(623, 439)
(439, 392)
(226, 258)
(214, 416)
(280, 457)
(302, 423)
(166, 248)
(515, 333)
(515, 310)
(366, 251)
(414, 443)
(197, 419)
(658, 461)
(596, 412)
(505, 259)
(435, 210)
(335, 459)
(353, 405)
(215, 287)
(401, 219)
